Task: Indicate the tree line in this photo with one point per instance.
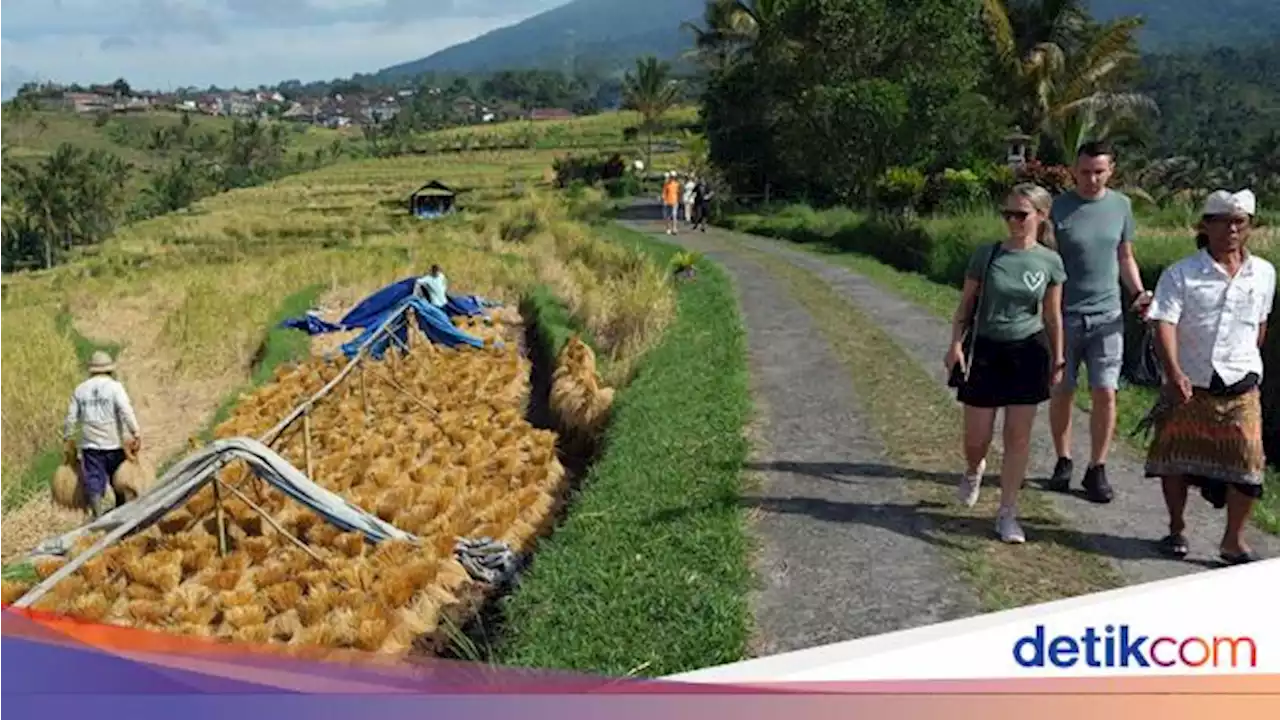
(77, 196)
(843, 101)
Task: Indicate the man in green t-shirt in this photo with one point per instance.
(1095, 228)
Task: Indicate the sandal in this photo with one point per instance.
(1239, 558)
(1175, 545)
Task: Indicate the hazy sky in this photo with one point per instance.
(158, 44)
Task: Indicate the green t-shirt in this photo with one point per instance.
(1089, 233)
(1014, 290)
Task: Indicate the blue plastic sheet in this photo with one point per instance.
(431, 321)
(369, 313)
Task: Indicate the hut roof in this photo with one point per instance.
(434, 188)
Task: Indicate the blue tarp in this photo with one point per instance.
(431, 320)
(369, 314)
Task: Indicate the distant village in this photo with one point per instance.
(336, 111)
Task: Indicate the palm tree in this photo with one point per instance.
(734, 28)
(650, 91)
(1061, 73)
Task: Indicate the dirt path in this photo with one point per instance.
(1123, 531)
(842, 555)
(170, 408)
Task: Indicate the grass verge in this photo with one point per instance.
(1132, 402)
(43, 466)
(280, 346)
(649, 572)
(921, 428)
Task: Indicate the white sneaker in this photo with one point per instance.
(1007, 526)
(967, 493)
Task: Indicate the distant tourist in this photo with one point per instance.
(1211, 314)
(1013, 297)
(1095, 229)
(434, 286)
(701, 205)
(690, 184)
(671, 202)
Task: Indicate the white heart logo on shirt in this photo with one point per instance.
(1033, 280)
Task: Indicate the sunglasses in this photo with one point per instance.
(1018, 215)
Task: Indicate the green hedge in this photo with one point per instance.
(939, 248)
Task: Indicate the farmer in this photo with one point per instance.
(1016, 352)
(671, 202)
(1210, 311)
(1094, 227)
(100, 406)
(434, 287)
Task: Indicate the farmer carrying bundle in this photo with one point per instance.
(101, 407)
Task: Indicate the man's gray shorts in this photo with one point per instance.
(1098, 340)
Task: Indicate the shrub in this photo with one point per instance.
(899, 188)
(1054, 178)
(626, 186)
(954, 191)
(590, 169)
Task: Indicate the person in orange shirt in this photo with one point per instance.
(671, 202)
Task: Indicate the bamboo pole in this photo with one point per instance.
(306, 446)
(222, 526)
(275, 525)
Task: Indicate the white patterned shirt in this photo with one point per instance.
(1217, 316)
(101, 407)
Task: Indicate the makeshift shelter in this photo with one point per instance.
(432, 200)
(389, 307)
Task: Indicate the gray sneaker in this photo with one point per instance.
(967, 492)
(1007, 526)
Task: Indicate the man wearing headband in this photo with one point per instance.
(1211, 313)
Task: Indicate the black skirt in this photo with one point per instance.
(1008, 373)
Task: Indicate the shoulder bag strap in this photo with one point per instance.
(977, 308)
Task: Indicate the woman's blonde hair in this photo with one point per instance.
(1042, 201)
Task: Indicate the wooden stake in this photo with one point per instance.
(364, 393)
(306, 446)
(222, 526)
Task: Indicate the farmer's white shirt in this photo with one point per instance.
(101, 406)
(1217, 316)
(436, 289)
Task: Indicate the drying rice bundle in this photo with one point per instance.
(444, 451)
(580, 402)
(134, 477)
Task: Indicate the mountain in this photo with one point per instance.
(600, 34)
(607, 35)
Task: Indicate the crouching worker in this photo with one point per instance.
(434, 286)
(101, 407)
(1211, 311)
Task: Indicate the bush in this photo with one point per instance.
(1054, 178)
(626, 186)
(590, 169)
(954, 191)
(899, 189)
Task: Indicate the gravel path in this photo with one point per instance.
(1123, 530)
(844, 555)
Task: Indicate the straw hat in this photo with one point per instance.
(101, 363)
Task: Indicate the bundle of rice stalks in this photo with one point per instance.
(580, 402)
(65, 485)
(134, 477)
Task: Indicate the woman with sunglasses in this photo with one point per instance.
(1012, 311)
(1211, 312)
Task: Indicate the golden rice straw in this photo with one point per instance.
(278, 528)
(408, 394)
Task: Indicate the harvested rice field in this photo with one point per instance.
(432, 440)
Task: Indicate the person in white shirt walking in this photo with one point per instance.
(101, 407)
(690, 184)
(1211, 312)
(435, 287)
